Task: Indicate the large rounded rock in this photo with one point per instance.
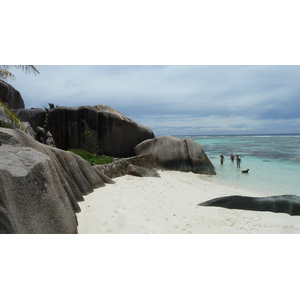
(99, 128)
(289, 204)
(41, 185)
(172, 153)
(34, 116)
(10, 96)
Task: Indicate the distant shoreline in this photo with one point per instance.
(254, 134)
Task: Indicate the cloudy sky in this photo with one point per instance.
(176, 99)
(179, 67)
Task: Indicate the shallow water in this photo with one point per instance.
(273, 160)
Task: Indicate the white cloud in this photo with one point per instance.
(190, 125)
(195, 98)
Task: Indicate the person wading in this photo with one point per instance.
(238, 161)
(222, 159)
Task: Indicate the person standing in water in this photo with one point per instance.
(222, 159)
(232, 157)
(238, 161)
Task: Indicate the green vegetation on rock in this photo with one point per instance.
(93, 159)
(46, 121)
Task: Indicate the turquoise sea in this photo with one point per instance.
(273, 160)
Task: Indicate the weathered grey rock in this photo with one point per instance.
(10, 96)
(104, 177)
(172, 153)
(289, 204)
(40, 134)
(50, 141)
(119, 167)
(141, 172)
(40, 185)
(4, 119)
(99, 128)
(43, 137)
(29, 129)
(35, 116)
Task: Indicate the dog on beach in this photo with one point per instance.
(246, 171)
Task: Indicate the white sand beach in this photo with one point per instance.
(168, 205)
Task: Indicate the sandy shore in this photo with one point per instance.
(169, 205)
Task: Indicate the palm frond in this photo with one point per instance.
(26, 68)
(15, 122)
(5, 74)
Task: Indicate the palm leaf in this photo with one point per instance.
(15, 121)
(4, 74)
(26, 68)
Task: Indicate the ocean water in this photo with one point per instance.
(273, 160)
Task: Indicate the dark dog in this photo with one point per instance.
(246, 171)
